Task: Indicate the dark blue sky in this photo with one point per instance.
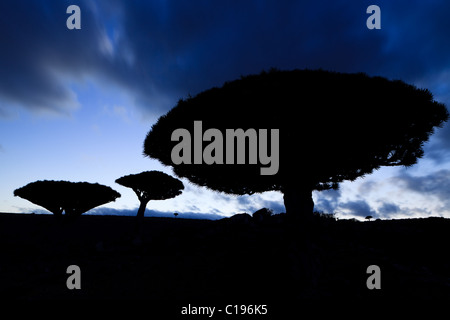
(76, 104)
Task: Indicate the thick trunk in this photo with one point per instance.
(141, 211)
(58, 212)
(299, 202)
(140, 221)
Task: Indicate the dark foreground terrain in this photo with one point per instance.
(223, 261)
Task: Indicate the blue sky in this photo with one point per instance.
(76, 104)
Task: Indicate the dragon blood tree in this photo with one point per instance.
(70, 198)
(151, 185)
(326, 127)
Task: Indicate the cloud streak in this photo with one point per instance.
(161, 51)
(359, 208)
(327, 201)
(436, 184)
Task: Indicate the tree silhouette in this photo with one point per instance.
(72, 198)
(332, 127)
(151, 185)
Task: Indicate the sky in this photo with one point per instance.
(77, 104)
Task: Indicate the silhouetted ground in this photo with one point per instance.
(225, 261)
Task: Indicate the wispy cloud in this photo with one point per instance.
(359, 208)
(327, 201)
(160, 53)
(436, 184)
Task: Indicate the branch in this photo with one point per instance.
(138, 193)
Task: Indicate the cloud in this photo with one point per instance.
(435, 184)
(34, 55)
(119, 112)
(159, 52)
(359, 208)
(439, 148)
(368, 186)
(327, 201)
(43, 58)
(205, 45)
(388, 209)
(274, 205)
(252, 203)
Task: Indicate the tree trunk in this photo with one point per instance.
(298, 202)
(141, 211)
(140, 220)
(58, 212)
